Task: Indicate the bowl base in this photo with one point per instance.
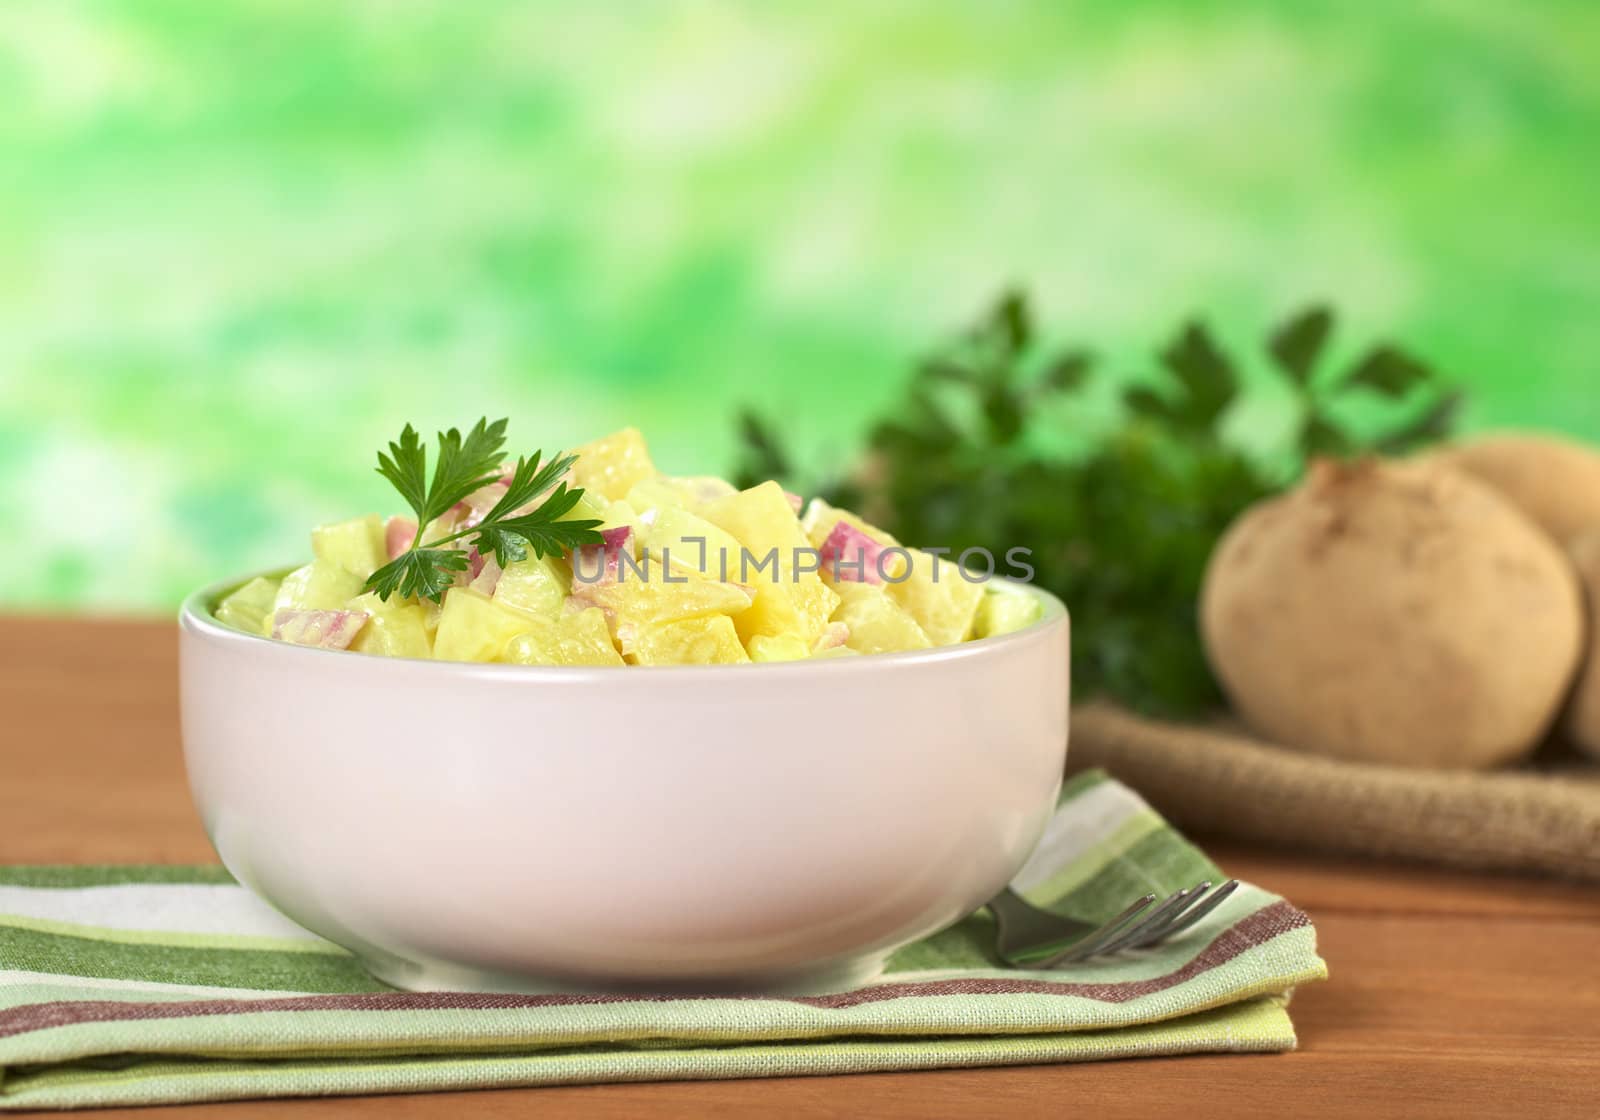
(443, 976)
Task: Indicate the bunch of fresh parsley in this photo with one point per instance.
(466, 464)
(974, 455)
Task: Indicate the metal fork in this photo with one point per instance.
(1031, 938)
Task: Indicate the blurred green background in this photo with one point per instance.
(241, 244)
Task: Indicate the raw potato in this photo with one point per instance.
(1557, 483)
(1393, 612)
(1554, 481)
(1583, 710)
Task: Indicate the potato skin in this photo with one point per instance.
(1393, 612)
(1582, 720)
(1554, 481)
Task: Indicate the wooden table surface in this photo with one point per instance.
(1451, 995)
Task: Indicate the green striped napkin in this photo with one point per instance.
(151, 985)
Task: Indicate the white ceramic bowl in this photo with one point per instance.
(496, 827)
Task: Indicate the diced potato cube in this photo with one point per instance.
(396, 628)
(935, 593)
(689, 641)
(697, 490)
(690, 543)
(321, 585)
(689, 493)
(575, 638)
(637, 600)
(590, 506)
(431, 611)
(611, 466)
(877, 624)
(473, 627)
(250, 608)
(1001, 612)
(536, 584)
(357, 546)
(789, 599)
(655, 493)
(785, 648)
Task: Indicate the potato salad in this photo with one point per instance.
(686, 571)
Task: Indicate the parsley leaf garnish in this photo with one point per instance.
(509, 537)
(466, 464)
(420, 573)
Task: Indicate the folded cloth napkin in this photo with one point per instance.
(151, 985)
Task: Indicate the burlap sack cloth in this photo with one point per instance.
(1222, 781)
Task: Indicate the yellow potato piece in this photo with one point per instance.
(397, 628)
(936, 594)
(655, 493)
(321, 585)
(689, 641)
(590, 506)
(1001, 612)
(690, 542)
(356, 545)
(877, 623)
(613, 465)
(473, 627)
(789, 599)
(690, 493)
(537, 584)
(251, 607)
(578, 638)
(786, 648)
(638, 600)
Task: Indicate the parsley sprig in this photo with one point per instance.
(466, 464)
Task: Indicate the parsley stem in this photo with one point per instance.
(451, 537)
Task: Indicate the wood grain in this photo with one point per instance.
(1452, 995)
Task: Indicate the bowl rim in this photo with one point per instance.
(195, 617)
